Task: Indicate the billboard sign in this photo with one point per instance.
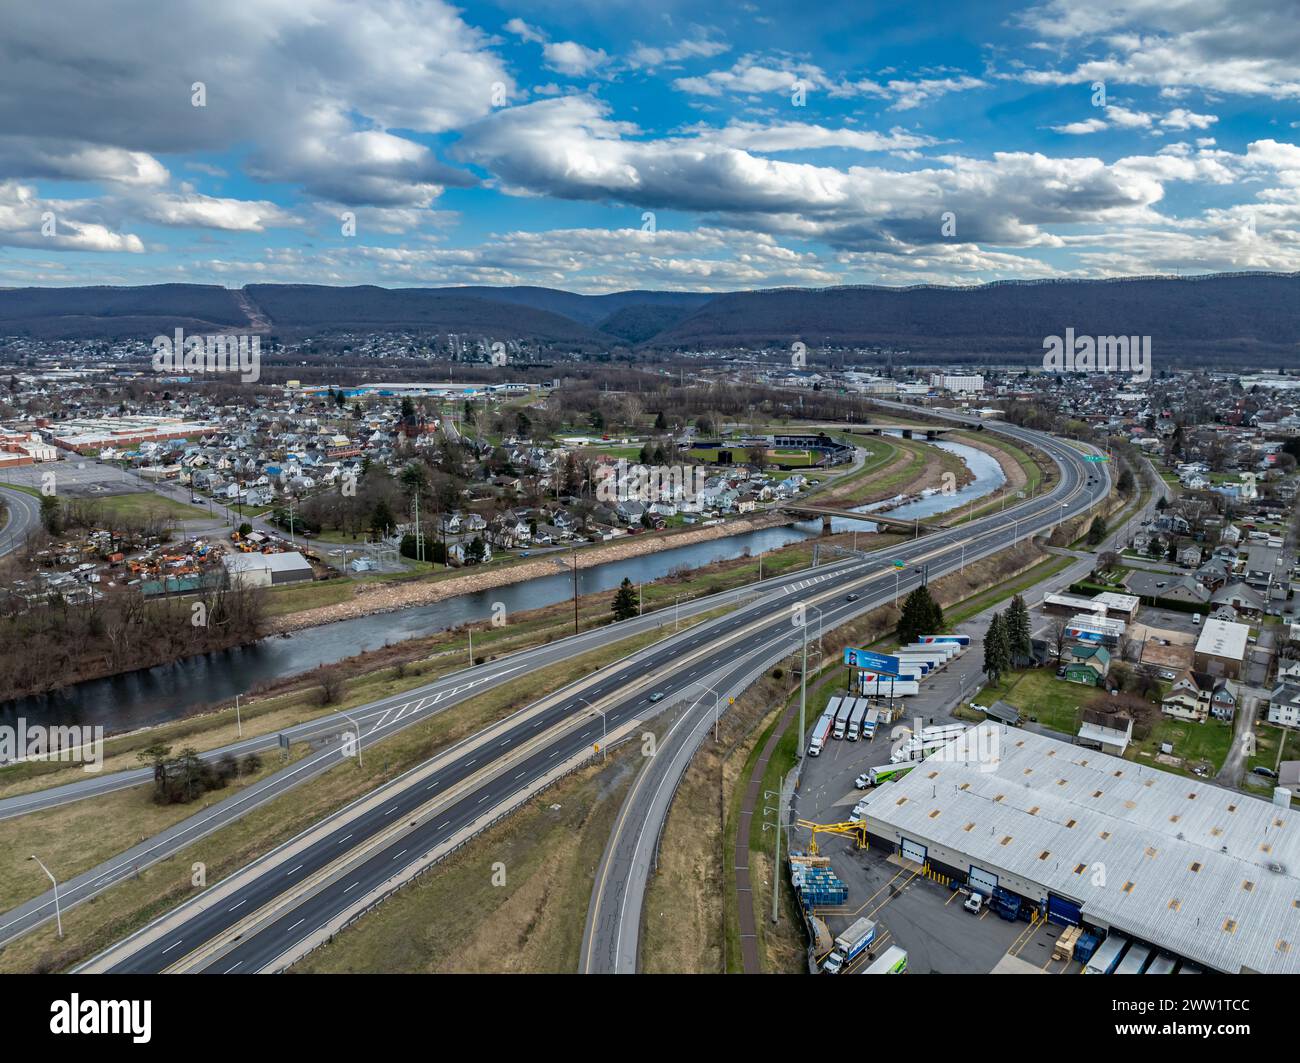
(877, 662)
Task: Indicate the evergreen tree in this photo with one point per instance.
(661, 422)
(1097, 531)
(625, 603)
(381, 518)
(1019, 631)
(997, 649)
(921, 616)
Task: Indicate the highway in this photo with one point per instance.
(24, 517)
(268, 914)
(612, 933)
(377, 720)
(400, 710)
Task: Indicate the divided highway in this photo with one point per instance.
(377, 720)
(612, 933)
(276, 909)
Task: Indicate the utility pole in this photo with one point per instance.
(573, 554)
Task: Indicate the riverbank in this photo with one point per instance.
(372, 598)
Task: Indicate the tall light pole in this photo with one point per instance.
(357, 727)
(776, 860)
(58, 914)
(803, 676)
(716, 701)
(604, 753)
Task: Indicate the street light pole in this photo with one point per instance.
(357, 727)
(58, 914)
(604, 753)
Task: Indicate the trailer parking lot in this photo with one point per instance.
(916, 913)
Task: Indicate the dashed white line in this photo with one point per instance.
(288, 873)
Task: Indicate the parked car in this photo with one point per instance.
(1268, 773)
(974, 903)
(1166, 674)
(862, 781)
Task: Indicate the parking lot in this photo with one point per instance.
(78, 478)
(916, 913)
(927, 919)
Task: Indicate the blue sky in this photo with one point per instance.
(601, 146)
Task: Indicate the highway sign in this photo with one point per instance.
(900, 564)
(1095, 457)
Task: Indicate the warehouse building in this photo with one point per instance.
(267, 570)
(1200, 872)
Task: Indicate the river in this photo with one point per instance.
(171, 691)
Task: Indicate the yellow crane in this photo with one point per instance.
(854, 828)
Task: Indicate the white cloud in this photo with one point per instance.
(572, 58)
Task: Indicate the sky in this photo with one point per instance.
(602, 145)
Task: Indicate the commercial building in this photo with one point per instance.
(957, 383)
(1204, 873)
(266, 570)
(89, 435)
(1221, 649)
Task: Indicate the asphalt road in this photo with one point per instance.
(24, 517)
(612, 932)
(749, 638)
(377, 720)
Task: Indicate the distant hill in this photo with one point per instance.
(1245, 318)
(298, 308)
(1247, 315)
(114, 313)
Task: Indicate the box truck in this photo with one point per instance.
(849, 945)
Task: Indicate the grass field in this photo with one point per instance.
(143, 504)
(1037, 692)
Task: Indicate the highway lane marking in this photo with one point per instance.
(342, 840)
(288, 873)
(297, 924)
(391, 811)
(172, 946)
(447, 824)
(521, 775)
(483, 798)
(355, 884)
(399, 854)
(229, 969)
(237, 905)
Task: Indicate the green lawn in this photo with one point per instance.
(1037, 692)
(141, 504)
(1194, 742)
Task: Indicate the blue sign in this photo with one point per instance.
(876, 662)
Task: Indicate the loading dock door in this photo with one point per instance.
(1063, 912)
(983, 881)
(913, 851)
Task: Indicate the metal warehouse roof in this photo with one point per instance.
(288, 561)
(1205, 872)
